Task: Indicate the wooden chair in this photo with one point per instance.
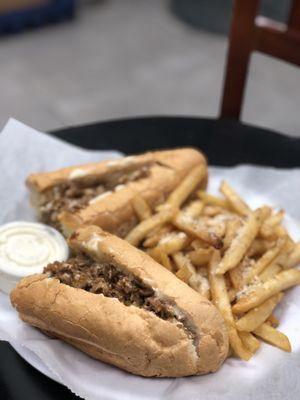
(250, 32)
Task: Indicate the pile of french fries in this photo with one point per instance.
(240, 259)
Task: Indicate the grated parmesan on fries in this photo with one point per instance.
(241, 259)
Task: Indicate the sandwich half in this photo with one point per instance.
(101, 193)
(115, 303)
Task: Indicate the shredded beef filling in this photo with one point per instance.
(67, 197)
(84, 273)
(76, 194)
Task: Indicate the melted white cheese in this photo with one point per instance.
(78, 173)
(121, 162)
(100, 196)
(92, 243)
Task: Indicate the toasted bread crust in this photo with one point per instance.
(211, 327)
(127, 336)
(114, 212)
(43, 181)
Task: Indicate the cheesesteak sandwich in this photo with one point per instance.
(102, 193)
(115, 303)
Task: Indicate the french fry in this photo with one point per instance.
(199, 244)
(181, 260)
(273, 321)
(159, 230)
(217, 225)
(235, 201)
(274, 337)
(280, 282)
(265, 212)
(151, 241)
(211, 211)
(237, 274)
(272, 270)
(196, 229)
(194, 208)
(241, 242)
(200, 283)
(258, 315)
(213, 200)
(200, 256)
(154, 236)
(221, 300)
(232, 228)
(185, 267)
(252, 266)
(232, 294)
(250, 341)
(259, 247)
(154, 254)
(165, 261)
(267, 228)
(184, 274)
(173, 242)
(141, 208)
(265, 260)
(185, 188)
(219, 291)
(138, 233)
(202, 271)
(293, 258)
(237, 345)
(283, 255)
(280, 231)
(167, 210)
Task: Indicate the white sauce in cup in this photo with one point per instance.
(26, 248)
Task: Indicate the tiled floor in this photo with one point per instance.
(132, 57)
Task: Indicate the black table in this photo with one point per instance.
(225, 142)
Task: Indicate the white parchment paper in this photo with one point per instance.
(271, 374)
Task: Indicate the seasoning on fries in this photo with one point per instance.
(282, 281)
(241, 259)
(241, 242)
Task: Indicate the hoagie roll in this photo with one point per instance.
(118, 305)
(102, 193)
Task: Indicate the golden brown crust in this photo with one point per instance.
(40, 182)
(213, 343)
(114, 212)
(127, 336)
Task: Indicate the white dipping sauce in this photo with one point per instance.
(26, 248)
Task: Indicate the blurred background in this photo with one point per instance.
(67, 62)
